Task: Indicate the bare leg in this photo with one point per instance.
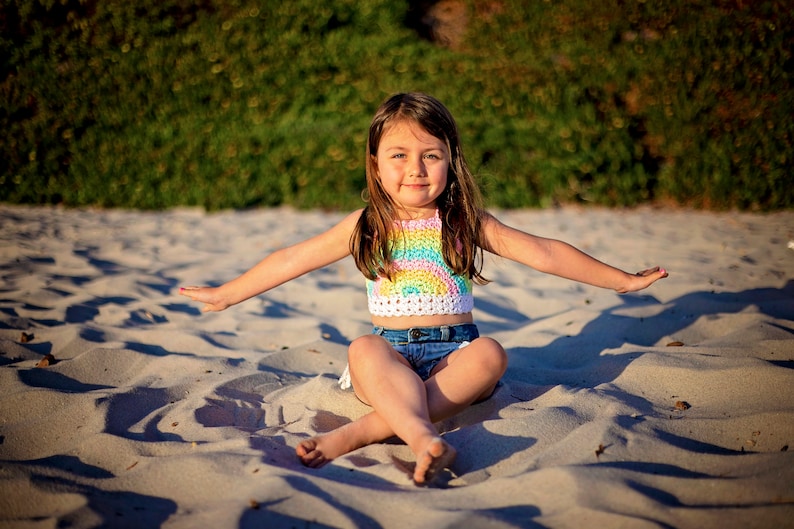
(407, 407)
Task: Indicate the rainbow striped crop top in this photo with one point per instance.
(422, 283)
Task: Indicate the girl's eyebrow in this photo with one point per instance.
(401, 148)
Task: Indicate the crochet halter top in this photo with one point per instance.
(422, 283)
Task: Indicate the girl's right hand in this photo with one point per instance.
(209, 296)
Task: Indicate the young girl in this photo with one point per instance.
(419, 244)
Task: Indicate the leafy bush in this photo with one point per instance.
(153, 104)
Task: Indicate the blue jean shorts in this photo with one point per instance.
(423, 347)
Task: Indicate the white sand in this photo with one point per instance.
(156, 415)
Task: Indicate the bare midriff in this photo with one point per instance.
(406, 322)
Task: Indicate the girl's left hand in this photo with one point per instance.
(644, 279)
(213, 302)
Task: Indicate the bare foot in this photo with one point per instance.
(310, 453)
(437, 456)
(317, 451)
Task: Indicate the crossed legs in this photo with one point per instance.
(404, 405)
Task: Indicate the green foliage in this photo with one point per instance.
(154, 104)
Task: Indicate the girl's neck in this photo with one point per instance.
(416, 213)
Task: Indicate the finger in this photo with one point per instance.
(651, 271)
(654, 273)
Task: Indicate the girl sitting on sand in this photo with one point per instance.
(419, 244)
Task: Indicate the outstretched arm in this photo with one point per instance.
(279, 267)
(561, 259)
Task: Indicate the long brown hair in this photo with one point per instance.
(459, 205)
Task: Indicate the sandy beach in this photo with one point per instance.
(122, 405)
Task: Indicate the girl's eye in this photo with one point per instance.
(433, 156)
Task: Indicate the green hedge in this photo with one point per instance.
(154, 104)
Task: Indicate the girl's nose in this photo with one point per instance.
(417, 170)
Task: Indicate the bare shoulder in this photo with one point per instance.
(506, 241)
(488, 220)
(348, 223)
(493, 230)
(341, 232)
(329, 246)
(354, 216)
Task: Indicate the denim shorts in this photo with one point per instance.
(425, 347)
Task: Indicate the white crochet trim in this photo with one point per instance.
(421, 305)
(344, 379)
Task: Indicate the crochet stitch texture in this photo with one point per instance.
(422, 283)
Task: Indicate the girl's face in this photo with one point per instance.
(412, 167)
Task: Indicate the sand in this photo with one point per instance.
(121, 405)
